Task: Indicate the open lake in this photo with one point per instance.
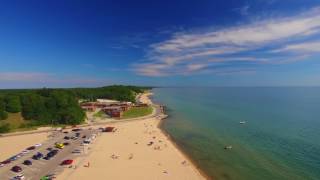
(280, 139)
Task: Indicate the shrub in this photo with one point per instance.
(4, 128)
(3, 115)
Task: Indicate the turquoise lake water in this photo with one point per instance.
(280, 140)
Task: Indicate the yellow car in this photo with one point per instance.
(59, 145)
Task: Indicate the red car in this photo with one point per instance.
(108, 129)
(6, 161)
(31, 148)
(67, 162)
(16, 169)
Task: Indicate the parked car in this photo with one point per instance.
(74, 137)
(76, 151)
(67, 162)
(13, 158)
(25, 151)
(84, 136)
(6, 161)
(77, 134)
(66, 143)
(27, 162)
(59, 145)
(66, 138)
(87, 141)
(47, 158)
(48, 177)
(37, 156)
(18, 177)
(1, 164)
(38, 145)
(31, 148)
(16, 169)
(51, 154)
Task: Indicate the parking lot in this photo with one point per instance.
(43, 167)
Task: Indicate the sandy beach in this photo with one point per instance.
(12, 145)
(137, 150)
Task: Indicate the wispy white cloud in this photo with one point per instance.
(306, 47)
(184, 52)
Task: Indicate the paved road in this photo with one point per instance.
(43, 167)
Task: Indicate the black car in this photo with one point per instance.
(55, 151)
(51, 154)
(16, 169)
(77, 134)
(66, 138)
(49, 149)
(84, 136)
(47, 158)
(37, 156)
(27, 162)
(66, 143)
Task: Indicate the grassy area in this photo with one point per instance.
(100, 114)
(16, 122)
(137, 112)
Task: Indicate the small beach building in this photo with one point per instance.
(113, 111)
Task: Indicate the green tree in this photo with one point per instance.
(13, 104)
(2, 104)
(4, 128)
(33, 107)
(3, 115)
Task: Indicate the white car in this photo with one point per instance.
(76, 151)
(19, 155)
(18, 177)
(1, 165)
(25, 151)
(37, 145)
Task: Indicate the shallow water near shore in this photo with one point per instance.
(280, 139)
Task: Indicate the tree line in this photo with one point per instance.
(58, 106)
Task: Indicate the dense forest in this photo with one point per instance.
(58, 106)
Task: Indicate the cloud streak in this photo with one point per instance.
(192, 52)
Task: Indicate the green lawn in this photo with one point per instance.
(16, 122)
(99, 114)
(137, 112)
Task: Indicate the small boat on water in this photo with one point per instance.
(242, 122)
(228, 147)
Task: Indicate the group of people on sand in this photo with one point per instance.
(113, 156)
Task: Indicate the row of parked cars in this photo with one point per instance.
(37, 156)
(16, 157)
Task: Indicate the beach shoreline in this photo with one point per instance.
(166, 162)
(173, 141)
(186, 155)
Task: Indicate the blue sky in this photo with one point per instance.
(73, 43)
